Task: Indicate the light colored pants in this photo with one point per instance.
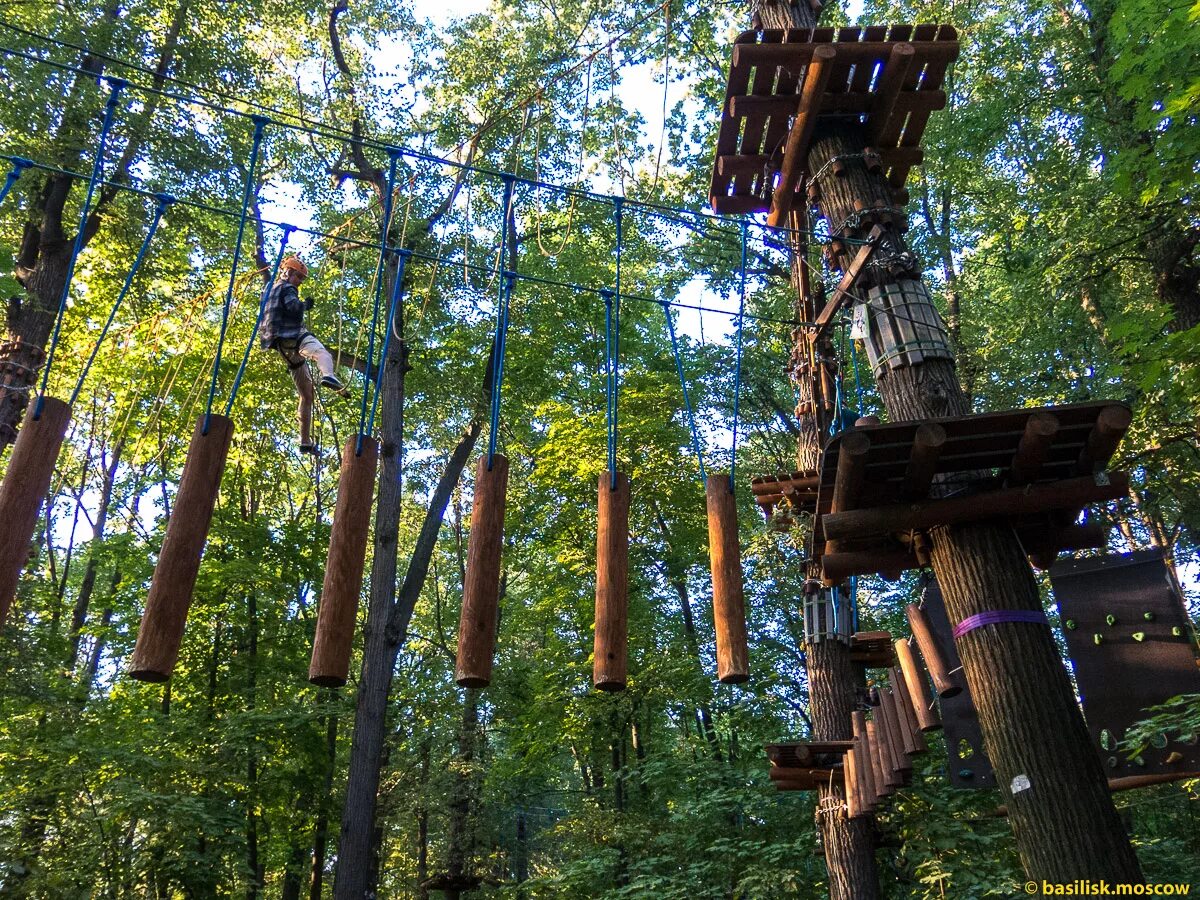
(310, 350)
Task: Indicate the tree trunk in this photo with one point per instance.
(316, 880)
(1065, 823)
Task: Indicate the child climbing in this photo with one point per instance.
(283, 330)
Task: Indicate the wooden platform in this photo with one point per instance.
(781, 83)
(806, 765)
(873, 649)
(799, 489)
(1037, 468)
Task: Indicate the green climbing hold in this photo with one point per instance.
(1148, 616)
(1139, 636)
(1070, 624)
(1097, 639)
(1110, 619)
(1138, 761)
(1106, 740)
(1159, 741)
(1176, 631)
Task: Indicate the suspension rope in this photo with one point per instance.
(262, 308)
(500, 338)
(19, 165)
(397, 300)
(610, 381)
(248, 189)
(737, 378)
(110, 111)
(393, 159)
(687, 402)
(164, 200)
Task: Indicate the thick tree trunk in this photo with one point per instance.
(1064, 819)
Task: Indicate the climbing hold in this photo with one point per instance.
(1159, 741)
(1112, 762)
(1148, 616)
(1106, 740)
(1176, 631)
(1097, 639)
(1070, 624)
(1173, 757)
(1139, 636)
(1110, 619)
(1139, 761)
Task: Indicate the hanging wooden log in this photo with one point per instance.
(917, 688)
(174, 579)
(334, 639)
(866, 768)
(932, 652)
(895, 733)
(481, 588)
(914, 741)
(886, 773)
(729, 605)
(611, 649)
(854, 806)
(24, 488)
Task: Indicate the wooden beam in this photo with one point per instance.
(922, 462)
(750, 106)
(895, 71)
(733, 164)
(793, 55)
(736, 204)
(841, 292)
(1004, 503)
(918, 690)
(931, 651)
(837, 566)
(1040, 430)
(816, 78)
(1106, 434)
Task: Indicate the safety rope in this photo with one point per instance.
(115, 86)
(262, 308)
(500, 337)
(612, 342)
(858, 388)
(19, 165)
(164, 200)
(397, 299)
(393, 159)
(737, 378)
(687, 402)
(260, 123)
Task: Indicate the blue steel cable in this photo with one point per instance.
(610, 390)
(19, 165)
(164, 200)
(262, 306)
(397, 299)
(613, 318)
(737, 378)
(110, 110)
(499, 339)
(393, 159)
(687, 402)
(260, 122)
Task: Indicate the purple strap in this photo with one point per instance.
(996, 616)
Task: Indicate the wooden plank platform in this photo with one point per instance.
(799, 489)
(873, 649)
(783, 83)
(1037, 468)
(807, 754)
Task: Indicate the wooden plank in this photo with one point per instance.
(857, 102)
(891, 82)
(730, 165)
(795, 54)
(816, 77)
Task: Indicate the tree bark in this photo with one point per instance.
(1065, 823)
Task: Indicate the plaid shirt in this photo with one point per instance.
(283, 319)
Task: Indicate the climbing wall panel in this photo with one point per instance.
(1130, 640)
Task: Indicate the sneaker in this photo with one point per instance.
(309, 448)
(333, 383)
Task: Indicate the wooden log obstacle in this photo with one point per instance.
(481, 590)
(782, 83)
(174, 581)
(610, 650)
(24, 488)
(729, 604)
(336, 615)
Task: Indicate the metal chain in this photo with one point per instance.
(821, 172)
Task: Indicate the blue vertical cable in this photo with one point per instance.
(500, 337)
(19, 165)
(262, 306)
(260, 122)
(110, 111)
(164, 200)
(613, 341)
(687, 402)
(393, 158)
(397, 299)
(737, 378)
